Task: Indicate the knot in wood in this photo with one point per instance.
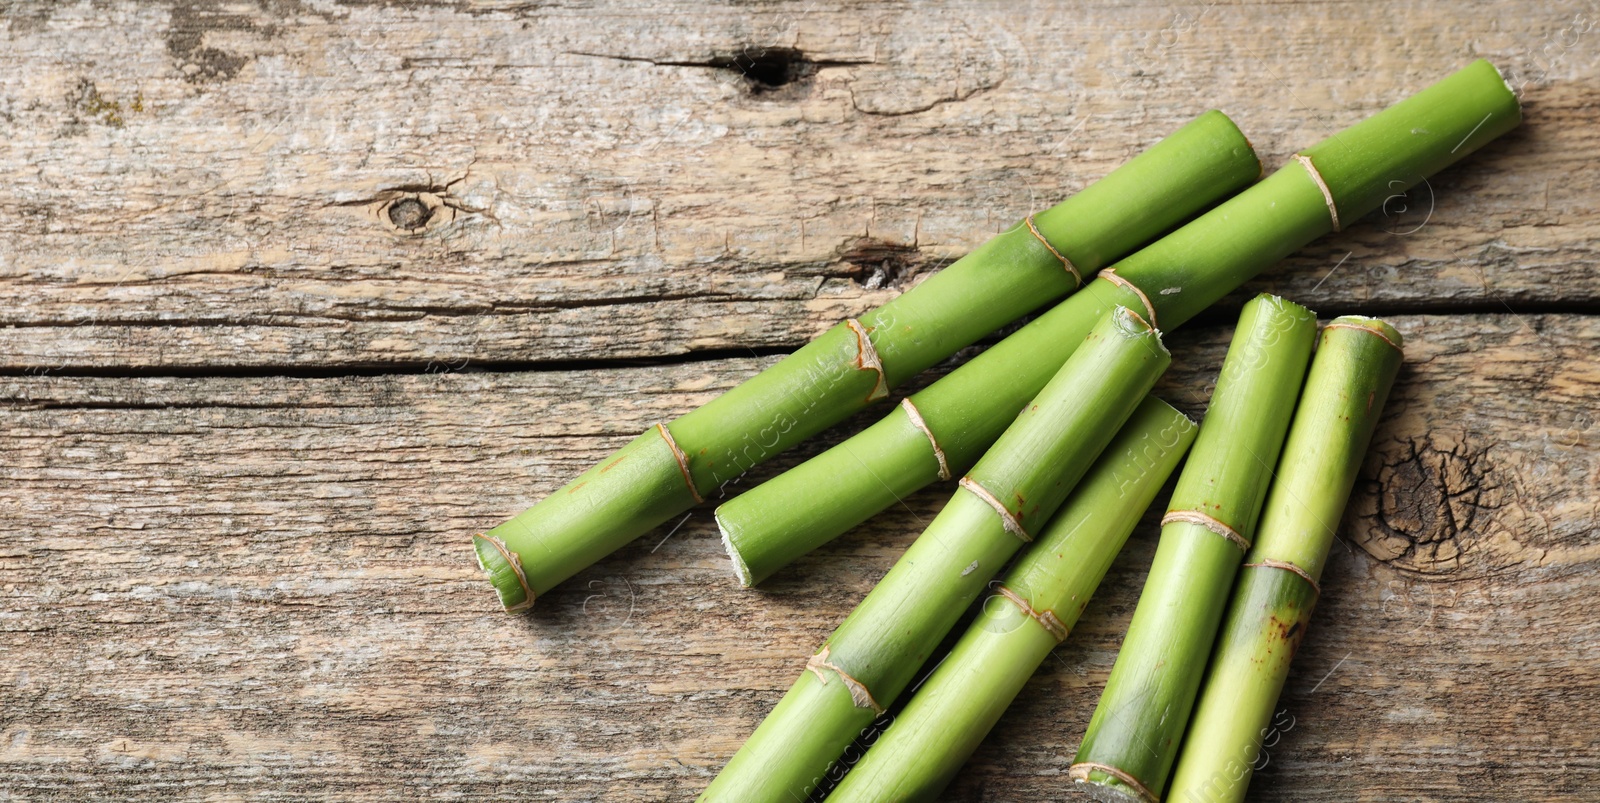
(409, 213)
(1432, 504)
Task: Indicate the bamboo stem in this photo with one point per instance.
(1030, 612)
(674, 466)
(1170, 281)
(1005, 499)
(1271, 604)
(956, 419)
(1133, 737)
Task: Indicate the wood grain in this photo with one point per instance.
(260, 588)
(300, 295)
(205, 183)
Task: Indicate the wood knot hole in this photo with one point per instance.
(768, 68)
(409, 214)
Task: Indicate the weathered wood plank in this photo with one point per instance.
(204, 184)
(260, 588)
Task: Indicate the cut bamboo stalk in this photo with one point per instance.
(1349, 382)
(1029, 613)
(1134, 734)
(997, 507)
(939, 431)
(674, 466)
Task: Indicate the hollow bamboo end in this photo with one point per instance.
(1284, 306)
(1371, 325)
(740, 568)
(505, 572)
(1109, 785)
(1133, 325)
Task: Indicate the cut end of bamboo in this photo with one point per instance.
(740, 568)
(1509, 87)
(1250, 147)
(505, 572)
(1371, 325)
(1284, 305)
(1516, 97)
(1110, 275)
(1132, 324)
(1110, 785)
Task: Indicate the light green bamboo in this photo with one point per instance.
(673, 466)
(960, 702)
(1007, 496)
(1180, 275)
(1350, 378)
(1133, 737)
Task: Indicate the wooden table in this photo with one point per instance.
(300, 295)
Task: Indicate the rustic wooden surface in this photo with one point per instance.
(299, 295)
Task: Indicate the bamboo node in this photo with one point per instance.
(1327, 194)
(1080, 773)
(1046, 619)
(515, 563)
(858, 690)
(916, 419)
(1196, 517)
(1111, 276)
(1065, 263)
(1007, 518)
(867, 359)
(1288, 567)
(683, 462)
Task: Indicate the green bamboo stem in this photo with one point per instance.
(1006, 497)
(673, 466)
(1030, 612)
(1171, 281)
(1350, 378)
(1134, 734)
